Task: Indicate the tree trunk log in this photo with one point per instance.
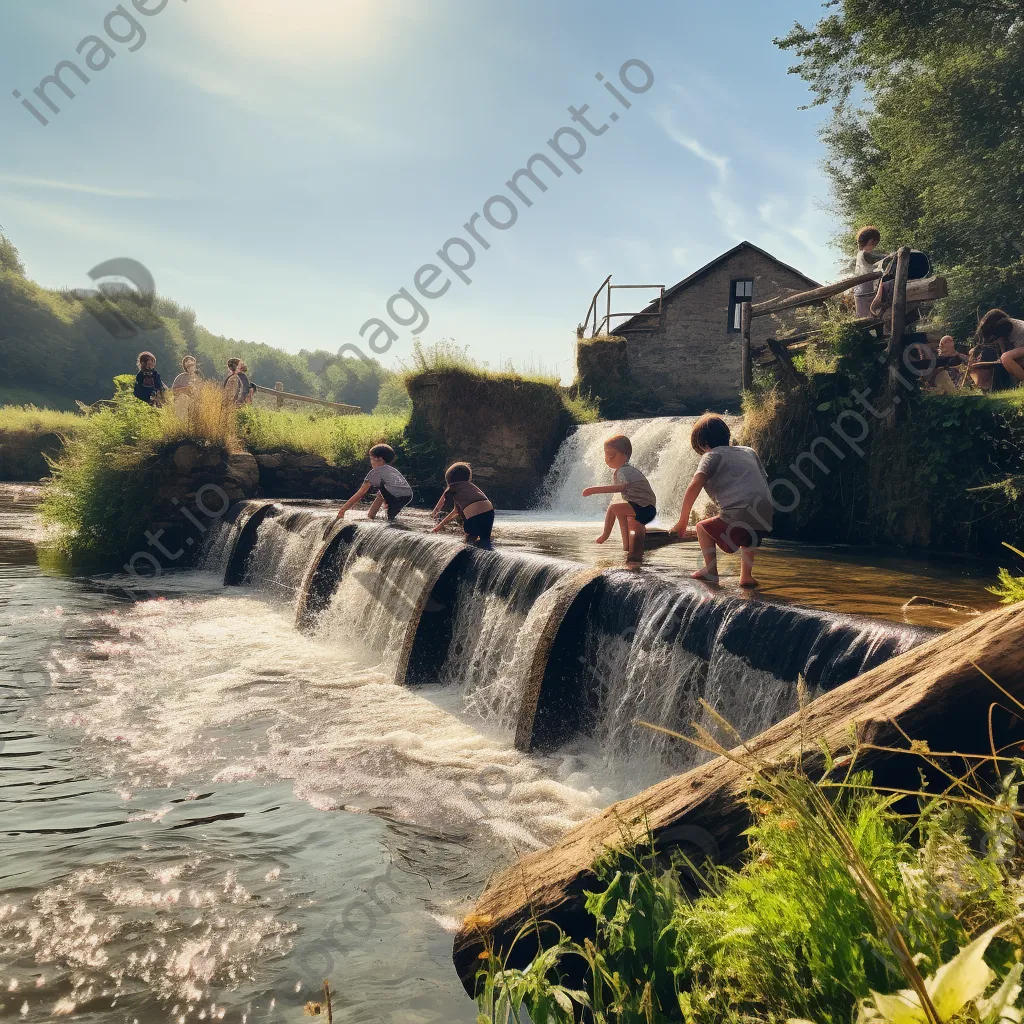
(934, 692)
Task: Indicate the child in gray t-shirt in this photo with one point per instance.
(637, 510)
(736, 481)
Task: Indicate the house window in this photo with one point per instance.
(739, 292)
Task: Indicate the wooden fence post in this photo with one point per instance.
(279, 386)
(899, 305)
(746, 360)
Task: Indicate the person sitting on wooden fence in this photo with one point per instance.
(867, 239)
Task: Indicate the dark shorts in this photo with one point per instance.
(643, 513)
(731, 537)
(395, 505)
(480, 526)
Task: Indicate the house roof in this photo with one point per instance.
(708, 267)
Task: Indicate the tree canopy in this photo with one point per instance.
(926, 139)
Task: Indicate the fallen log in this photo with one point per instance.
(934, 693)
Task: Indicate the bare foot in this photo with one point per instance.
(602, 538)
(703, 574)
(751, 583)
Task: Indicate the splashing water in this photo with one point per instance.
(661, 450)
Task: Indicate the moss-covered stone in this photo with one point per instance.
(507, 428)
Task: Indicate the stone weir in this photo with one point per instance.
(547, 651)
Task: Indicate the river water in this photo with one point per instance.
(205, 811)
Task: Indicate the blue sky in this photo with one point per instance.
(285, 166)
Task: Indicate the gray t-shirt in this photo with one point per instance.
(637, 489)
(865, 264)
(738, 484)
(390, 478)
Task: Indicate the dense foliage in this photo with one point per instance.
(807, 929)
(927, 135)
(56, 348)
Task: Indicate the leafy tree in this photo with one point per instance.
(927, 135)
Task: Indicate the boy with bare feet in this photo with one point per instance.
(637, 510)
(736, 481)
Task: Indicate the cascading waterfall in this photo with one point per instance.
(387, 574)
(491, 638)
(541, 650)
(643, 649)
(285, 543)
(661, 449)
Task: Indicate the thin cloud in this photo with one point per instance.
(74, 186)
(697, 148)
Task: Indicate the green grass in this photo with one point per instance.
(30, 420)
(342, 440)
(837, 885)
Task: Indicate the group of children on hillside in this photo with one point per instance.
(732, 476)
(996, 359)
(151, 389)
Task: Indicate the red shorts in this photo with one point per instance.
(731, 537)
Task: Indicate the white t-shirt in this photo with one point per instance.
(390, 478)
(1016, 340)
(737, 483)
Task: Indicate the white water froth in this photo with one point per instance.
(661, 450)
(242, 695)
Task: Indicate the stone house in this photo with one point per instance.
(687, 360)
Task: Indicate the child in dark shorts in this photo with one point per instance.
(640, 506)
(392, 488)
(736, 481)
(470, 502)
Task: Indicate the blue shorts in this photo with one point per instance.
(643, 513)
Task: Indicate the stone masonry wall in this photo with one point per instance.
(691, 363)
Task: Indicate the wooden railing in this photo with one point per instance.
(279, 392)
(906, 296)
(604, 325)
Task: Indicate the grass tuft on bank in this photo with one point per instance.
(847, 904)
(341, 440)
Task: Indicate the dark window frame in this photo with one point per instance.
(736, 300)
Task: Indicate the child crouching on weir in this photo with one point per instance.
(392, 488)
(736, 481)
(640, 506)
(470, 502)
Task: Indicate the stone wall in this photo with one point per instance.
(690, 362)
(289, 475)
(198, 479)
(23, 455)
(508, 429)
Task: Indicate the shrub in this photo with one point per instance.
(836, 886)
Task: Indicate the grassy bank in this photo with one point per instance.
(341, 440)
(29, 434)
(846, 905)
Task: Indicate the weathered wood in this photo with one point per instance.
(927, 289)
(746, 363)
(785, 361)
(809, 298)
(932, 693)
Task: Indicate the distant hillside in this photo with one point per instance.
(55, 348)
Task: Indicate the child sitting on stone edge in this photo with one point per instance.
(640, 506)
(736, 481)
(391, 486)
(470, 502)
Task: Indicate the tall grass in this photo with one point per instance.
(843, 895)
(105, 483)
(1010, 588)
(29, 421)
(341, 440)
